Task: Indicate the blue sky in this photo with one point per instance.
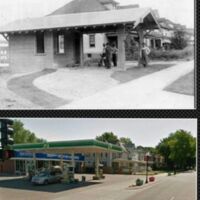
(146, 132)
(179, 11)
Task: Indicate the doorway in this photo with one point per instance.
(112, 39)
(77, 52)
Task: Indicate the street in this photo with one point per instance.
(179, 187)
(114, 187)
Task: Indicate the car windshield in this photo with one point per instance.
(42, 174)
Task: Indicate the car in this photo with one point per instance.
(45, 178)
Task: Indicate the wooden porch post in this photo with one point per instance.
(81, 50)
(141, 40)
(121, 48)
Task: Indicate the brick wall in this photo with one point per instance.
(23, 57)
(7, 167)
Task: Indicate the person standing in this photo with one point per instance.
(103, 57)
(108, 56)
(114, 54)
(145, 51)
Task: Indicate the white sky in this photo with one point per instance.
(145, 132)
(179, 11)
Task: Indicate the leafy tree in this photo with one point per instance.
(179, 149)
(22, 135)
(108, 137)
(179, 41)
(126, 141)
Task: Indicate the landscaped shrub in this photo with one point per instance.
(139, 182)
(172, 54)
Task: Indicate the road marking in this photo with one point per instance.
(172, 198)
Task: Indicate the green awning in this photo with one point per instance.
(76, 146)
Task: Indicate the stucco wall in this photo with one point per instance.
(99, 40)
(23, 57)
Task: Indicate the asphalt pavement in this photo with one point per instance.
(114, 187)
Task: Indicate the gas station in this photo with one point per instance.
(65, 154)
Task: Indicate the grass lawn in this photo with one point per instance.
(137, 72)
(184, 85)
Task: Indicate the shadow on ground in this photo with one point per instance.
(24, 87)
(137, 72)
(22, 184)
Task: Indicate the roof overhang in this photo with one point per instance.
(75, 146)
(137, 17)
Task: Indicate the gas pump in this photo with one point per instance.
(68, 173)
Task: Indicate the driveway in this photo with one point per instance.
(23, 86)
(144, 93)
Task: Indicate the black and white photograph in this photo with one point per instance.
(98, 159)
(97, 54)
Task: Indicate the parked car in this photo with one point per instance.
(45, 178)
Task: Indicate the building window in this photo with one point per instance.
(61, 43)
(92, 40)
(40, 42)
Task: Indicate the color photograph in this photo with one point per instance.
(98, 159)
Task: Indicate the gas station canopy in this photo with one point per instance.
(74, 146)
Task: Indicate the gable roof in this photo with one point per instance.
(79, 6)
(133, 16)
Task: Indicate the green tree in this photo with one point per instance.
(179, 40)
(108, 137)
(126, 141)
(22, 135)
(179, 149)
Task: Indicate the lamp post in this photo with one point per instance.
(147, 159)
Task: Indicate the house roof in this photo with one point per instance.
(134, 16)
(77, 146)
(79, 6)
(108, 1)
(128, 6)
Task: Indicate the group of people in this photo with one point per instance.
(109, 56)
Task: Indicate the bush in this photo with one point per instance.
(172, 54)
(139, 182)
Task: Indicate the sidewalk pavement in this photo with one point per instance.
(143, 93)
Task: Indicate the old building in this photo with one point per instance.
(56, 41)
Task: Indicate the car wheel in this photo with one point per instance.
(46, 182)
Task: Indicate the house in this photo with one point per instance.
(55, 41)
(159, 39)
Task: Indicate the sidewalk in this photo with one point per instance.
(143, 93)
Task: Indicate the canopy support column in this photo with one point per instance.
(97, 157)
(61, 161)
(34, 162)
